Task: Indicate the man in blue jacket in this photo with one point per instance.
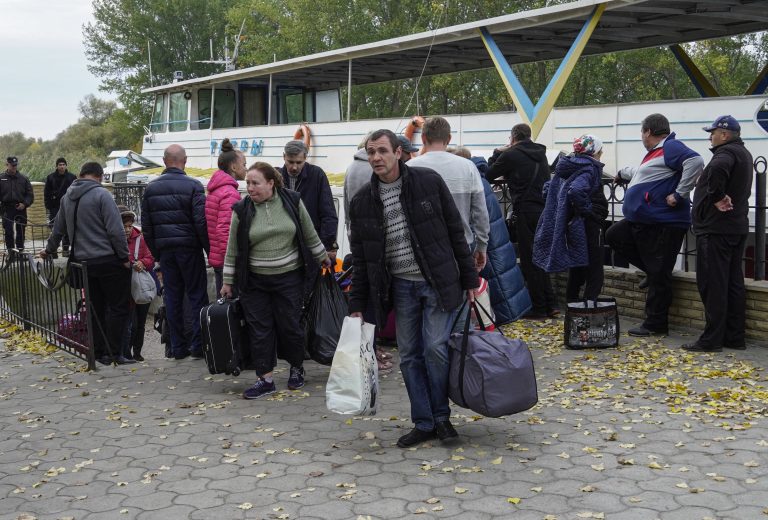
(312, 184)
(656, 216)
(174, 227)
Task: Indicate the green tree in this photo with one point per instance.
(176, 33)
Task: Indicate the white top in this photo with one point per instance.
(464, 183)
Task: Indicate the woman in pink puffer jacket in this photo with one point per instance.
(222, 195)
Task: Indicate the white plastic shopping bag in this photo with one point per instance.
(353, 384)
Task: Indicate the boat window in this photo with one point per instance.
(327, 106)
(253, 110)
(158, 123)
(224, 111)
(291, 102)
(179, 113)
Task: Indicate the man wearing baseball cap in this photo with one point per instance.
(16, 196)
(721, 223)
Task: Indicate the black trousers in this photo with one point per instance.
(14, 218)
(652, 248)
(110, 291)
(271, 307)
(720, 279)
(539, 285)
(590, 275)
(51, 219)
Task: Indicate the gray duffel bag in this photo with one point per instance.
(489, 373)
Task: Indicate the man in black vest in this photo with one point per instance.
(56, 185)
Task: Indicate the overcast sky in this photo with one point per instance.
(44, 72)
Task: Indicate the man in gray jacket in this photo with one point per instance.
(89, 216)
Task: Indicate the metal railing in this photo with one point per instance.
(129, 194)
(755, 255)
(37, 295)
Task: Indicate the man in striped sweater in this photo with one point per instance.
(656, 216)
(410, 253)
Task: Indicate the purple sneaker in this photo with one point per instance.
(296, 378)
(260, 389)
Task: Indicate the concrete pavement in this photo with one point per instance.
(641, 432)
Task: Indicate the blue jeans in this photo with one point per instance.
(423, 330)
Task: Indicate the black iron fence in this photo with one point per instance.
(39, 296)
(755, 253)
(129, 195)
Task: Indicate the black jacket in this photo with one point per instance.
(315, 191)
(14, 189)
(56, 185)
(437, 237)
(245, 211)
(728, 173)
(517, 166)
(173, 214)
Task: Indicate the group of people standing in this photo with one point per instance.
(560, 222)
(422, 230)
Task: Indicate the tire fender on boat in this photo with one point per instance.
(413, 124)
(303, 134)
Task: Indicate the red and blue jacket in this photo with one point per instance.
(669, 168)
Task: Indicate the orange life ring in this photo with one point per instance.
(413, 124)
(303, 134)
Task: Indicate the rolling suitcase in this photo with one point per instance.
(222, 329)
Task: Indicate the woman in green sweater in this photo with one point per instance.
(272, 248)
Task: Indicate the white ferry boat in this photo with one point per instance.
(262, 107)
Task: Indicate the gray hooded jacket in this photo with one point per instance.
(100, 237)
(358, 175)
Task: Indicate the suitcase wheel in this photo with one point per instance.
(235, 371)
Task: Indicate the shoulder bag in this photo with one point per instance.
(143, 288)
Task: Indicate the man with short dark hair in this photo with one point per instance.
(410, 254)
(359, 172)
(174, 227)
(88, 213)
(56, 185)
(656, 216)
(312, 184)
(523, 165)
(721, 225)
(16, 196)
(463, 181)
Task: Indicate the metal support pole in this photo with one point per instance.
(85, 293)
(269, 102)
(349, 92)
(21, 263)
(213, 103)
(760, 189)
